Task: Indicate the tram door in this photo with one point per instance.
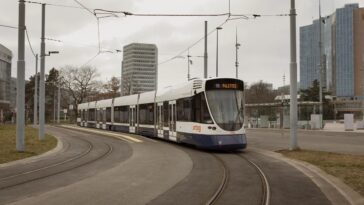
(160, 120)
(172, 121)
(104, 118)
(132, 118)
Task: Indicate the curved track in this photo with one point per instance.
(264, 180)
(81, 156)
(223, 184)
(225, 181)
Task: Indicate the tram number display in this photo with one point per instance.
(225, 85)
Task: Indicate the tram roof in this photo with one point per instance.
(126, 100)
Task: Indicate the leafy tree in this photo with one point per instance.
(313, 94)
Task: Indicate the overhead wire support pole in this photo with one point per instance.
(321, 61)
(41, 81)
(205, 53)
(236, 54)
(188, 65)
(20, 95)
(293, 79)
(35, 118)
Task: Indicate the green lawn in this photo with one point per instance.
(348, 168)
(32, 145)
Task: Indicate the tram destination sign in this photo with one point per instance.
(225, 84)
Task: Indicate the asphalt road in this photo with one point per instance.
(93, 169)
(340, 142)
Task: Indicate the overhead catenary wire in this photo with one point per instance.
(30, 45)
(83, 6)
(7, 26)
(56, 5)
(104, 13)
(194, 44)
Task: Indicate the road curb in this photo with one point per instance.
(355, 132)
(37, 157)
(351, 196)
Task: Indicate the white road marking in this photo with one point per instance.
(118, 136)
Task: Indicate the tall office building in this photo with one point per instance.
(5, 77)
(139, 68)
(342, 49)
(359, 52)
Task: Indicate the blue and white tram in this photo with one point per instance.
(205, 113)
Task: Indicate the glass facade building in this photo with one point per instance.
(139, 68)
(5, 76)
(309, 54)
(338, 41)
(344, 50)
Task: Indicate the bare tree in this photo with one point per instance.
(80, 83)
(112, 87)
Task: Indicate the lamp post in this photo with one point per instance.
(237, 45)
(41, 82)
(20, 95)
(293, 78)
(217, 51)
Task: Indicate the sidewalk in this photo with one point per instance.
(340, 127)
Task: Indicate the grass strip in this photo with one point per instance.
(33, 146)
(348, 168)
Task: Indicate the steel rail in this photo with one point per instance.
(223, 184)
(109, 151)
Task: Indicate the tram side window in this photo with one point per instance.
(82, 117)
(97, 115)
(146, 114)
(100, 115)
(184, 109)
(91, 114)
(108, 114)
(117, 114)
(124, 114)
(103, 115)
(165, 114)
(201, 113)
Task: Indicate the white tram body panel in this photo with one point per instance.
(205, 113)
(101, 113)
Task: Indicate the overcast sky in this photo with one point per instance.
(264, 54)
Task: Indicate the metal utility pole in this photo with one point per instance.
(54, 105)
(188, 65)
(237, 45)
(293, 79)
(41, 81)
(205, 53)
(35, 119)
(217, 51)
(59, 104)
(321, 59)
(20, 95)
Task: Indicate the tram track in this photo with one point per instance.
(80, 156)
(265, 198)
(223, 184)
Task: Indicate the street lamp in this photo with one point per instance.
(51, 52)
(42, 85)
(217, 51)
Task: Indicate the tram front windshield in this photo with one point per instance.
(226, 106)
